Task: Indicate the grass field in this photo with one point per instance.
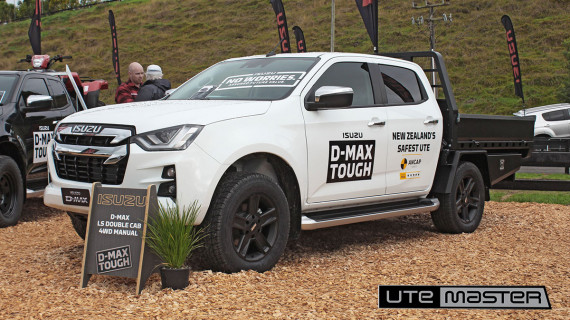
(186, 36)
(550, 197)
(542, 176)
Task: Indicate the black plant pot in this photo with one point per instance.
(174, 278)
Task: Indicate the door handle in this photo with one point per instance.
(434, 121)
(376, 122)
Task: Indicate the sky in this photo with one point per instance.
(12, 1)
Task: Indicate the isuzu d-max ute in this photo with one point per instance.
(272, 145)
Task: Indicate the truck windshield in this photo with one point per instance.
(248, 79)
(6, 86)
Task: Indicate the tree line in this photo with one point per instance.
(24, 9)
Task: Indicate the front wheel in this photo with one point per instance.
(462, 209)
(11, 192)
(248, 224)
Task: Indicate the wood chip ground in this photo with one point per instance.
(326, 274)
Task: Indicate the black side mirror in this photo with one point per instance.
(38, 103)
(330, 97)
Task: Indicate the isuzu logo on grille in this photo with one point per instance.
(86, 129)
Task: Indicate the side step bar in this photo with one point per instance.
(34, 193)
(337, 217)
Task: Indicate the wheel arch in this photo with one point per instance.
(446, 172)
(281, 172)
(10, 150)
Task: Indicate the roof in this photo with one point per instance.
(541, 109)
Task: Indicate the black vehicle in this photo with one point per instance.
(31, 105)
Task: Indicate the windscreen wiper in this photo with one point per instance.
(203, 93)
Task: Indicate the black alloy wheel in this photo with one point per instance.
(462, 209)
(247, 222)
(11, 192)
(254, 229)
(7, 195)
(467, 199)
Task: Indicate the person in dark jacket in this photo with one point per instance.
(154, 87)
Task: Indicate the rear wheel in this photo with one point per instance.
(462, 209)
(11, 192)
(79, 223)
(248, 224)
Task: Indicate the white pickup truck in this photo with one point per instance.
(272, 145)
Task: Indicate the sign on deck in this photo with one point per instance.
(116, 229)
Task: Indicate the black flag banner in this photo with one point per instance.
(300, 38)
(115, 54)
(35, 31)
(514, 53)
(369, 12)
(281, 25)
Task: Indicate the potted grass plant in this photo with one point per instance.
(172, 235)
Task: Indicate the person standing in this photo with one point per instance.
(154, 87)
(127, 91)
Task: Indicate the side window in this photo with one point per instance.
(58, 94)
(350, 74)
(33, 86)
(402, 85)
(557, 115)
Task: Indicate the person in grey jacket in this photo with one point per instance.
(154, 87)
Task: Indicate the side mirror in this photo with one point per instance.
(330, 97)
(38, 103)
(168, 93)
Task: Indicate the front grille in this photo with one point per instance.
(90, 169)
(79, 140)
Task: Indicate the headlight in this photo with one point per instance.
(167, 139)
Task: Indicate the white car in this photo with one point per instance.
(552, 121)
(272, 145)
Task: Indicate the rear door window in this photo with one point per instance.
(58, 94)
(402, 85)
(558, 115)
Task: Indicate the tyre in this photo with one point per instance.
(248, 224)
(462, 209)
(11, 192)
(79, 223)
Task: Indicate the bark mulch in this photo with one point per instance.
(326, 274)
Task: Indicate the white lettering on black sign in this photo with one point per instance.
(76, 197)
(350, 160)
(266, 79)
(114, 259)
(41, 140)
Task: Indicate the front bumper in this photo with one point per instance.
(197, 175)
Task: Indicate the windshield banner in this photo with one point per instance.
(281, 25)
(265, 79)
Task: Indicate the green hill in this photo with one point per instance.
(184, 37)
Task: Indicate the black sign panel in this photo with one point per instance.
(116, 228)
(350, 160)
(75, 197)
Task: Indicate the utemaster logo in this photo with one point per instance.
(468, 297)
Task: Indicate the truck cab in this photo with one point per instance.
(31, 105)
